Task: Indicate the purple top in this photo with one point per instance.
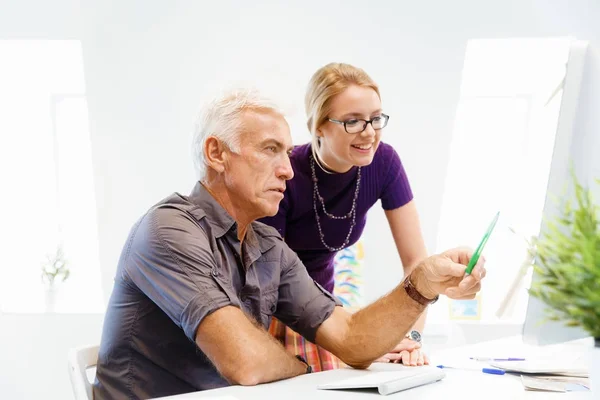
(383, 179)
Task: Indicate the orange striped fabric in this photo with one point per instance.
(317, 357)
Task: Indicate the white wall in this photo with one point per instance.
(37, 19)
(149, 65)
(33, 352)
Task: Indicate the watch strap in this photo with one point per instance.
(414, 294)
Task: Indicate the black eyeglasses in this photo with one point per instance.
(359, 125)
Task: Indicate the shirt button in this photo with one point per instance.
(214, 272)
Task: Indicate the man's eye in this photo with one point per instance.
(272, 148)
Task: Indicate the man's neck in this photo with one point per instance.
(221, 195)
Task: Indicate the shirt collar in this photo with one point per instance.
(222, 222)
(209, 207)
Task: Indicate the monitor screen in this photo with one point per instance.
(573, 141)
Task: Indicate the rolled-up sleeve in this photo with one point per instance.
(303, 304)
(171, 262)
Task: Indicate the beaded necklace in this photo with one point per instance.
(349, 214)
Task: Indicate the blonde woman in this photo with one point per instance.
(338, 177)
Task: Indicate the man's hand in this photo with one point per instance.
(407, 352)
(445, 274)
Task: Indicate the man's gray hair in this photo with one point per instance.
(221, 118)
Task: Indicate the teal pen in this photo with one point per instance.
(491, 371)
(479, 249)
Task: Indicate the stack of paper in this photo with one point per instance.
(553, 383)
(544, 366)
(549, 374)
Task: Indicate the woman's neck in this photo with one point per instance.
(328, 163)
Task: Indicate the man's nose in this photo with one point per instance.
(284, 169)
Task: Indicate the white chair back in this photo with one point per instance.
(80, 360)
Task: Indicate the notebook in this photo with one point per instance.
(387, 382)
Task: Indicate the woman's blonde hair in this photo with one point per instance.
(325, 84)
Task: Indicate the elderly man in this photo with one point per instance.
(198, 279)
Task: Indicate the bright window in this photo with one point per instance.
(47, 197)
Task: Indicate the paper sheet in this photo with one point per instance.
(554, 384)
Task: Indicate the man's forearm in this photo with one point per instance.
(271, 361)
(376, 329)
(252, 355)
(420, 324)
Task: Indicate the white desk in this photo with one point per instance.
(457, 383)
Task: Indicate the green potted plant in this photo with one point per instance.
(568, 263)
(54, 270)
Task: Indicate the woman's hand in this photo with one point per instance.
(407, 352)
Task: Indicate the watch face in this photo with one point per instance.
(415, 335)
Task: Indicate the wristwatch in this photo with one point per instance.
(414, 294)
(308, 367)
(414, 335)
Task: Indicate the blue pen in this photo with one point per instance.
(492, 371)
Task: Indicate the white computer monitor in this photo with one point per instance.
(578, 132)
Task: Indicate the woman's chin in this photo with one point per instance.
(363, 161)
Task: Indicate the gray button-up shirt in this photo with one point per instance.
(181, 262)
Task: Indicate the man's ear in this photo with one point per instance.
(215, 154)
